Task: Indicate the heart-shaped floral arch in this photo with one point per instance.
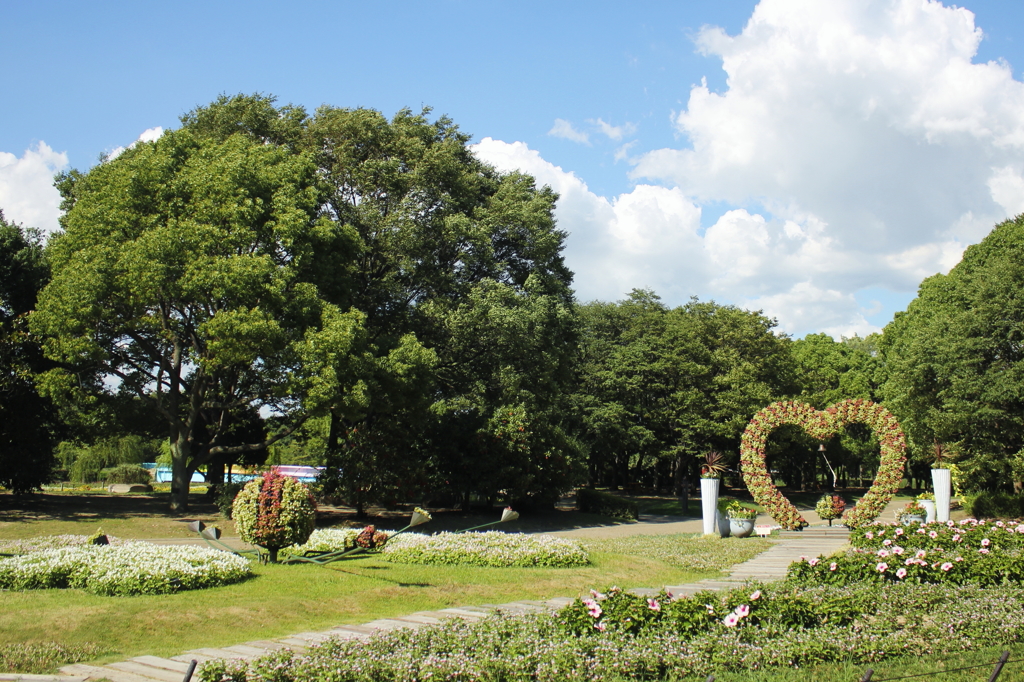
(822, 425)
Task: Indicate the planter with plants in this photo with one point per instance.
(927, 500)
(741, 519)
(913, 513)
(710, 479)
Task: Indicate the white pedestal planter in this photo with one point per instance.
(709, 503)
(929, 508)
(943, 484)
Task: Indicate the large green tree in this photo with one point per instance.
(661, 386)
(956, 359)
(29, 423)
(190, 274)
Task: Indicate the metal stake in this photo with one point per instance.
(866, 677)
(999, 666)
(191, 669)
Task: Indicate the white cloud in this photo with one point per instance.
(148, 135)
(27, 194)
(564, 129)
(613, 132)
(876, 149)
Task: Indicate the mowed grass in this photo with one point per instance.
(282, 600)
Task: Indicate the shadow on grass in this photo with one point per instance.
(84, 506)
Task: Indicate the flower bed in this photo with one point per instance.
(43, 542)
(491, 548)
(123, 569)
(969, 552)
(708, 633)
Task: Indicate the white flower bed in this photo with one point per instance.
(124, 569)
(492, 548)
(327, 540)
(42, 542)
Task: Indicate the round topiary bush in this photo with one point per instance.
(274, 511)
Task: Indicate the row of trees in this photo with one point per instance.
(367, 291)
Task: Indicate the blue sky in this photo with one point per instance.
(814, 160)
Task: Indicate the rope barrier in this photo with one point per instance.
(1003, 660)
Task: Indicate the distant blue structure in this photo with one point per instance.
(302, 473)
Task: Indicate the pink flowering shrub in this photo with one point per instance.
(823, 425)
(969, 534)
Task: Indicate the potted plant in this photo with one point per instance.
(927, 500)
(830, 507)
(741, 519)
(941, 481)
(711, 471)
(912, 513)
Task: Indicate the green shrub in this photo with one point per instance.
(606, 504)
(225, 499)
(128, 473)
(996, 505)
(274, 511)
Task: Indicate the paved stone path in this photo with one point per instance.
(767, 566)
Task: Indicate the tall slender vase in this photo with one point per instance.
(709, 503)
(943, 483)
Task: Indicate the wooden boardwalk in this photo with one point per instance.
(767, 566)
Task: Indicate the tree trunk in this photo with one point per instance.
(181, 474)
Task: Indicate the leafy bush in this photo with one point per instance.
(225, 499)
(124, 569)
(43, 658)
(967, 535)
(128, 473)
(996, 505)
(274, 511)
(492, 548)
(689, 637)
(606, 504)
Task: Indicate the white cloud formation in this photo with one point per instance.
(27, 194)
(564, 129)
(874, 146)
(148, 135)
(613, 132)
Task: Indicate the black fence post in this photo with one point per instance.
(999, 666)
(191, 669)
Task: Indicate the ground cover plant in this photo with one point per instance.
(965, 552)
(125, 568)
(40, 658)
(615, 635)
(492, 548)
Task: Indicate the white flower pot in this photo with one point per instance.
(741, 528)
(929, 508)
(723, 525)
(709, 503)
(943, 484)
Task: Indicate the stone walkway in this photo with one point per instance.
(767, 566)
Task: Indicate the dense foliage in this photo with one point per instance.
(674, 639)
(274, 511)
(954, 361)
(592, 501)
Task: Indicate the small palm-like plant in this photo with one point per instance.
(713, 466)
